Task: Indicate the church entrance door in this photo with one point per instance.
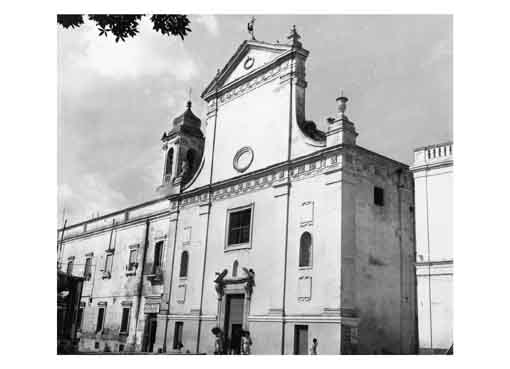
(149, 338)
(234, 322)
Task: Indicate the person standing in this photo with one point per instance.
(218, 341)
(313, 349)
(246, 343)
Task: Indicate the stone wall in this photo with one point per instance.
(383, 289)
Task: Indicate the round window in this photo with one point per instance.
(243, 159)
(248, 63)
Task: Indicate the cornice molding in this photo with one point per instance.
(117, 226)
(118, 212)
(429, 166)
(285, 51)
(247, 83)
(313, 164)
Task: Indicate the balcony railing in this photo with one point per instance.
(156, 276)
(433, 153)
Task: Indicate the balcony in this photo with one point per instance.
(156, 277)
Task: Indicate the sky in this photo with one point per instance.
(116, 99)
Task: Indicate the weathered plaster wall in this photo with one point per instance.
(121, 288)
(384, 282)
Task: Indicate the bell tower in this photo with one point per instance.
(183, 147)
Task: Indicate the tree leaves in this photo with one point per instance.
(174, 24)
(126, 26)
(70, 20)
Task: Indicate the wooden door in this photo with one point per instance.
(234, 322)
(150, 333)
(301, 340)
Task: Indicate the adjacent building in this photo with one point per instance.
(262, 222)
(433, 181)
(69, 289)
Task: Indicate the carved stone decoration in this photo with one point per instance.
(243, 159)
(248, 288)
(185, 168)
(249, 62)
(219, 284)
(228, 286)
(219, 290)
(250, 282)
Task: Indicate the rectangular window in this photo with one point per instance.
(178, 335)
(378, 196)
(158, 253)
(133, 256)
(79, 319)
(300, 340)
(239, 226)
(70, 264)
(100, 319)
(87, 273)
(108, 263)
(124, 324)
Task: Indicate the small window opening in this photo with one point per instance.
(184, 264)
(378, 196)
(235, 267)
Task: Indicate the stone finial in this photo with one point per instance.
(340, 129)
(341, 105)
(294, 37)
(188, 104)
(251, 28)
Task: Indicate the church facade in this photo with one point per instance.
(262, 223)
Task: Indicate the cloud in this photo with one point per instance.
(147, 54)
(210, 22)
(88, 195)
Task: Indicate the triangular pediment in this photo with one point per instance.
(250, 56)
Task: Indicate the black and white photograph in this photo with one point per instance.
(264, 179)
(245, 185)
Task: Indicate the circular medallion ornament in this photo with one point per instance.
(243, 159)
(248, 63)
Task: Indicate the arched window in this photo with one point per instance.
(234, 268)
(305, 250)
(184, 264)
(190, 158)
(169, 161)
